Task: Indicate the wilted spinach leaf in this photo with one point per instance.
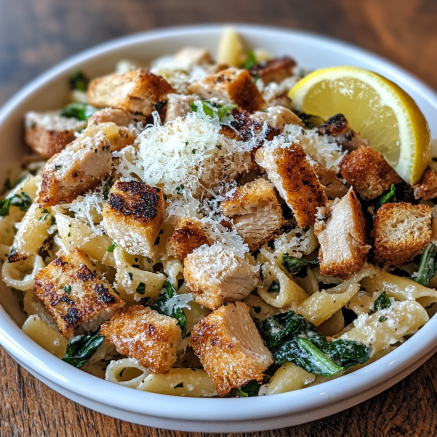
(81, 349)
(427, 266)
(381, 303)
(297, 266)
(161, 305)
(80, 111)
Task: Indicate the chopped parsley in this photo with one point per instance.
(381, 303)
(67, 289)
(130, 275)
(180, 189)
(22, 201)
(108, 185)
(58, 166)
(111, 247)
(274, 287)
(382, 319)
(180, 385)
(80, 111)
(141, 289)
(45, 214)
(78, 81)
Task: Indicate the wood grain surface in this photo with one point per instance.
(37, 34)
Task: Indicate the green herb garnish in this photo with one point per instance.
(22, 201)
(78, 81)
(162, 307)
(213, 110)
(382, 319)
(180, 385)
(81, 349)
(111, 247)
(45, 214)
(107, 188)
(251, 389)
(274, 287)
(250, 60)
(180, 189)
(67, 289)
(80, 111)
(141, 289)
(387, 197)
(427, 266)
(381, 303)
(297, 266)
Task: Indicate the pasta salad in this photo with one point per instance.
(183, 228)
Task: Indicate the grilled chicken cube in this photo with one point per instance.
(72, 292)
(338, 127)
(277, 117)
(189, 57)
(426, 188)
(137, 91)
(333, 186)
(121, 117)
(215, 274)
(400, 232)
(178, 105)
(230, 347)
(368, 172)
(230, 86)
(48, 133)
(145, 335)
(274, 70)
(341, 230)
(292, 175)
(255, 212)
(188, 234)
(133, 216)
(80, 167)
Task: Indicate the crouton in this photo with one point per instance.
(341, 230)
(80, 167)
(137, 91)
(178, 105)
(338, 127)
(230, 86)
(277, 117)
(189, 57)
(368, 172)
(215, 274)
(400, 232)
(426, 188)
(292, 175)
(230, 347)
(71, 291)
(133, 216)
(189, 234)
(274, 70)
(255, 212)
(145, 335)
(333, 186)
(47, 133)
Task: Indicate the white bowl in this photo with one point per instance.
(194, 414)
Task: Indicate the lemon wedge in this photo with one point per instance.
(375, 107)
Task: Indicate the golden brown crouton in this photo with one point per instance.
(47, 133)
(255, 212)
(136, 91)
(80, 167)
(215, 274)
(189, 234)
(188, 57)
(368, 172)
(274, 70)
(426, 188)
(178, 105)
(295, 180)
(341, 230)
(400, 232)
(230, 347)
(231, 86)
(73, 294)
(277, 117)
(145, 335)
(134, 216)
(334, 187)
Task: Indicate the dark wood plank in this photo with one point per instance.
(36, 34)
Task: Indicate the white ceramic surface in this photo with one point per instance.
(191, 414)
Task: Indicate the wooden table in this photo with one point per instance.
(36, 34)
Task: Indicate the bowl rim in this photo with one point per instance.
(14, 340)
